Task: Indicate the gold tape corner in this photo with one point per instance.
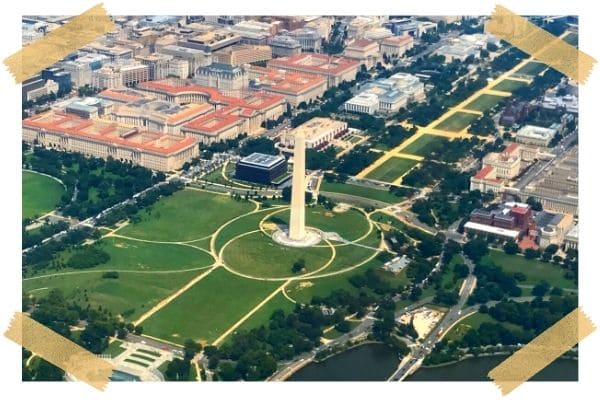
(60, 42)
(541, 351)
(82, 364)
(538, 43)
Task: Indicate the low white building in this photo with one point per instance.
(535, 135)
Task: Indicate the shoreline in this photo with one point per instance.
(501, 353)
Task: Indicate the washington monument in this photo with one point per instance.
(297, 230)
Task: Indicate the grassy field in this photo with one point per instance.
(131, 294)
(449, 281)
(509, 85)
(245, 224)
(361, 191)
(349, 255)
(535, 270)
(484, 102)
(257, 255)
(350, 225)
(457, 122)
(114, 348)
(208, 308)
(473, 321)
(392, 169)
(532, 68)
(40, 194)
(263, 315)
(334, 333)
(424, 145)
(186, 215)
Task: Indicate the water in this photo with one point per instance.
(369, 362)
(120, 376)
(376, 362)
(476, 369)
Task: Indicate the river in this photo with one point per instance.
(376, 362)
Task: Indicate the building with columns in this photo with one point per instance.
(98, 138)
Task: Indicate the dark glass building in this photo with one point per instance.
(260, 168)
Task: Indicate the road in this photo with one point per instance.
(407, 366)
(91, 221)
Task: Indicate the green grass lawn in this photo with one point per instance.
(392, 169)
(532, 68)
(41, 194)
(350, 225)
(350, 255)
(361, 191)
(334, 333)
(259, 256)
(448, 278)
(208, 308)
(473, 321)
(244, 224)
(509, 85)
(143, 357)
(263, 315)
(114, 348)
(535, 270)
(457, 122)
(150, 352)
(484, 102)
(132, 293)
(132, 361)
(186, 215)
(424, 145)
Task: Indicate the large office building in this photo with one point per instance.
(195, 58)
(254, 32)
(97, 138)
(243, 54)
(497, 169)
(387, 95)
(535, 135)
(334, 69)
(211, 41)
(309, 39)
(260, 168)
(318, 133)
(284, 46)
(229, 79)
(295, 87)
(231, 115)
(396, 46)
(557, 188)
(364, 50)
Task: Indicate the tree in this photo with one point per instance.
(190, 348)
(476, 249)
(178, 370)
(298, 265)
(531, 254)
(510, 247)
(47, 372)
(540, 289)
(536, 205)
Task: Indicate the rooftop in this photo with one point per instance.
(492, 229)
(317, 63)
(73, 125)
(262, 160)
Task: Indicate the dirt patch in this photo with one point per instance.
(305, 285)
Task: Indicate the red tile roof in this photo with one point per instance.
(511, 148)
(483, 172)
(519, 210)
(398, 40)
(315, 63)
(362, 43)
(71, 124)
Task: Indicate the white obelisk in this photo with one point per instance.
(297, 228)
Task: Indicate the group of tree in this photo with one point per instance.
(493, 284)
(258, 145)
(180, 369)
(87, 257)
(356, 160)
(34, 237)
(93, 184)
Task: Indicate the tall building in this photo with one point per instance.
(242, 54)
(260, 168)
(364, 50)
(297, 230)
(309, 39)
